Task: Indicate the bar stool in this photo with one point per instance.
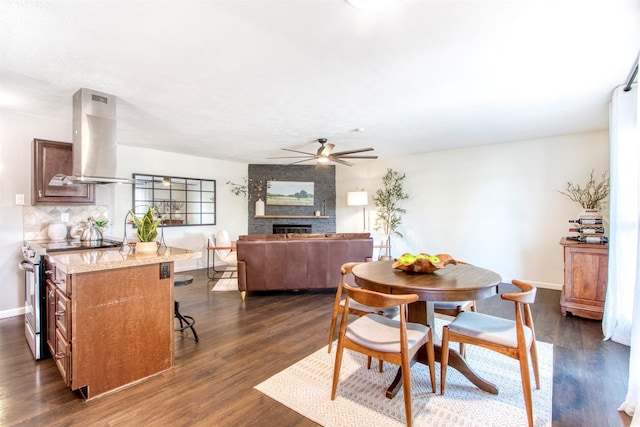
(185, 321)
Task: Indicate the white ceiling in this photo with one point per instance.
(238, 80)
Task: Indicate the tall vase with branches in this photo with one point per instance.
(591, 196)
(387, 199)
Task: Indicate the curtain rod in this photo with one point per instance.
(632, 75)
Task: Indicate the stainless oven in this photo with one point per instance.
(33, 266)
(35, 286)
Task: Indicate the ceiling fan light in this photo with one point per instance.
(323, 159)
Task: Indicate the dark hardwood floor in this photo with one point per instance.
(243, 343)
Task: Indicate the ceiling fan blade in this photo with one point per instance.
(299, 161)
(291, 157)
(354, 157)
(361, 150)
(301, 152)
(338, 160)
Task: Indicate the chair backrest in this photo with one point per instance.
(222, 239)
(522, 301)
(527, 296)
(345, 271)
(377, 299)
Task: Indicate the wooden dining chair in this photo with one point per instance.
(355, 307)
(390, 340)
(515, 339)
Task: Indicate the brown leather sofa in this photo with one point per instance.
(269, 262)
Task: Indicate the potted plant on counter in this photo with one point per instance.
(147, 230)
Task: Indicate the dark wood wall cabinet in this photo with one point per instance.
(50, 158)
(585, 279)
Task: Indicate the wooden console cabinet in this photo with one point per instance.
(585, 279)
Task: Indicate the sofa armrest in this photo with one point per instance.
(242, 276)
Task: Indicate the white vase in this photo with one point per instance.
(590, 213)
(57, 231)
(259, 207)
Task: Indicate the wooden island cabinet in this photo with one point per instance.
(110, 319)
(585, 279)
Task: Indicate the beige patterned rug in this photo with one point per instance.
(305, 387)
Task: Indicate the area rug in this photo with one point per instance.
(226, 282)
(305, 387)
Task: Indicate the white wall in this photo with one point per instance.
(17, 132)
(231, 210)
(495, 206)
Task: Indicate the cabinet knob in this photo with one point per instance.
(51, 295)
(39, 193)
(60, 313)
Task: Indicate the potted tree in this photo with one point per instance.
(147, 230)
(389, 214)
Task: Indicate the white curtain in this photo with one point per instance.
(621, 321)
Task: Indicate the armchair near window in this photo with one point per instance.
(224, 252)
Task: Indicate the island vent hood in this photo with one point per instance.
(94, 140)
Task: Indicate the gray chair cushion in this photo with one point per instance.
(449, 305)
(488, 328)
(383, 334)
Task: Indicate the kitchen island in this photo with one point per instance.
(110, 319)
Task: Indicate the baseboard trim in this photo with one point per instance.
(12, 312)
(541, 285)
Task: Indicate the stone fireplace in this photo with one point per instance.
(298, 219)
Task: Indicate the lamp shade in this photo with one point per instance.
(357, 198)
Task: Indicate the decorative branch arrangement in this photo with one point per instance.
(592, 195)
(239, 189)
(249, 187)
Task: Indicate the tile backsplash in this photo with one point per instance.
(36, 219)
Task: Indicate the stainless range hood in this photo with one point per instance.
(94, 140)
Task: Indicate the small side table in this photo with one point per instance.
(185, 321)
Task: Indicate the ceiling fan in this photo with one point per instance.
(325, 154)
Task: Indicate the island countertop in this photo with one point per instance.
(86, 261)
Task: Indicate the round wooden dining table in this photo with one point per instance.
(454, 282)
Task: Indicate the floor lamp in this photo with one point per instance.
(359, 198)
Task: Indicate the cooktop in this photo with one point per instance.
(74, 245)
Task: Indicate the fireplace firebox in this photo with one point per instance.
(291, 228)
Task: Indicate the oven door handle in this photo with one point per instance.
(26, 266)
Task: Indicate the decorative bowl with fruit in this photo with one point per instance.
(422, 263)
